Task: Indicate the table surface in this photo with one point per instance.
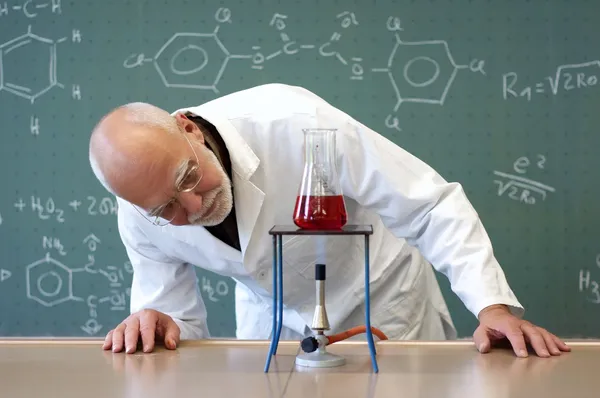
(235, 368)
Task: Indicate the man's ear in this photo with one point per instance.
(189, 126)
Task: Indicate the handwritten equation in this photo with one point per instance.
(47, 209)
(568, 77)
(588, 285)
(520, 188)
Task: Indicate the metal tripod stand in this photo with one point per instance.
(277, 232)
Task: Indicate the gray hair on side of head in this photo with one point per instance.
(138, 113)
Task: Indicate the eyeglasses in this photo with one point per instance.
(189, 180)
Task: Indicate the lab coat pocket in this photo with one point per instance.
(396, 307)
(397, 319)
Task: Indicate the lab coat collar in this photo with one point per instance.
(244, 161)
(248, 198)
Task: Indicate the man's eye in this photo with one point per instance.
(189, 180)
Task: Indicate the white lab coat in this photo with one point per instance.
(419, 220)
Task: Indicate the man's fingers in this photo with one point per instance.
(172, 335)
(148, 322)
(560, 344)
(107, 341)
(535, 339)
(550, 342)
(517, 340)
(144, 326)
(132, 333)
(481, 339)
(118, 337)
(500, 323)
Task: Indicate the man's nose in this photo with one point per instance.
(190, 201)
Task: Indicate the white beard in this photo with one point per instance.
(221, 197)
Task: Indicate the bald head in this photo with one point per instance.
(145, 155)
(130, 141)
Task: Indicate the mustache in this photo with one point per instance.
(206, 204)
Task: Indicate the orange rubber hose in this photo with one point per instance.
(353, 332)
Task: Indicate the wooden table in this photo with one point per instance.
(231, 368)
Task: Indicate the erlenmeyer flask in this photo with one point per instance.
(320, 202)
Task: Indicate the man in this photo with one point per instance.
(204, 185)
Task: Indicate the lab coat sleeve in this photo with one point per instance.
(431, 214)
(162, 283)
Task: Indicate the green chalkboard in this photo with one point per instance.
(501, 96)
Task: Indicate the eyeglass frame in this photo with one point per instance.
(156, 212)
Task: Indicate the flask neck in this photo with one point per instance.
(319, 147)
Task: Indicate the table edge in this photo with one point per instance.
(265, 343)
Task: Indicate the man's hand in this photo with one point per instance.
(147, 324)
(497, 323)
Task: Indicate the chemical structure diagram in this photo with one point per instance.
(207, 71)
(48, 271)
(30, 8)
(18, 49)
(420, 71)
(40, 55)
(204, 74)
(50, 283)
(346, 20)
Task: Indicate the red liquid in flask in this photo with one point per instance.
(320, 212)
